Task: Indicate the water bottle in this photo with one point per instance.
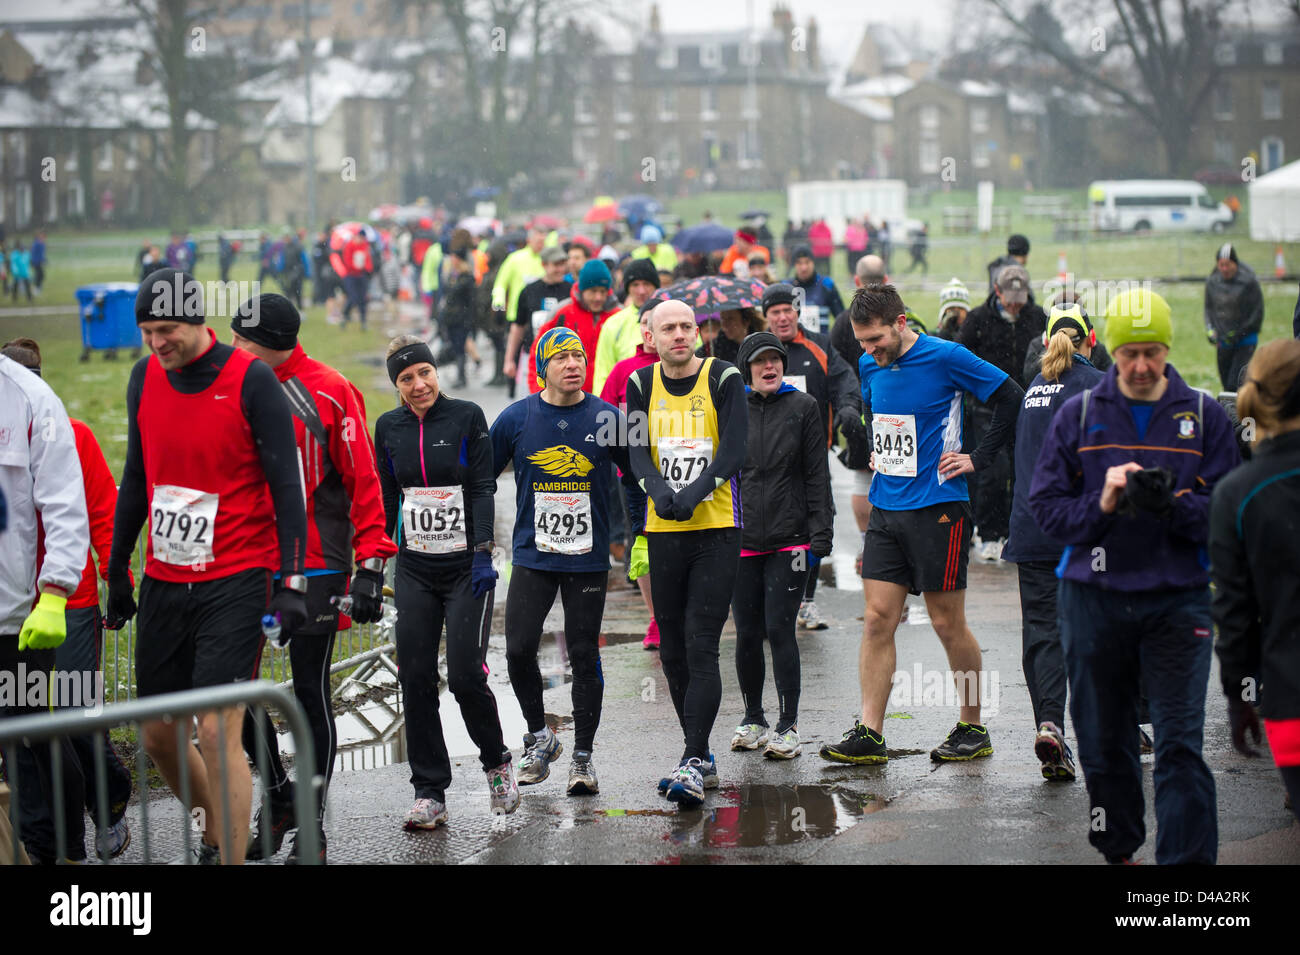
(344, 603)
(271, 629)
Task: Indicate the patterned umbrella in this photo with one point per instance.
(715, 293)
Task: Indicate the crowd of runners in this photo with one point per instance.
(702, 471)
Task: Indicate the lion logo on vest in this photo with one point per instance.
(697, 405)
(562, 461)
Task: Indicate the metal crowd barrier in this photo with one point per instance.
(177, 708)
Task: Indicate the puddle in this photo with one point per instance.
(751, 815)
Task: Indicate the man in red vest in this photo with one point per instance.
(211, 462)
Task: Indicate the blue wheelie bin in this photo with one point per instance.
(108, 319)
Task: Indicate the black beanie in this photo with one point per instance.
(1017, 245)
(643, 270)
(781, 293)
(269, 320)
(756, 344)
(169, 295)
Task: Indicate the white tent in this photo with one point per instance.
(1275, 205)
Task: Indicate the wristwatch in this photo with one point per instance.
(375, 564)
(487, 546)
(295, 582)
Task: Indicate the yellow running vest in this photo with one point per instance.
(684, 441)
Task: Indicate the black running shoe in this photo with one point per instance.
(293, 850)
(966, 741)
(281, 822)
(859, 745)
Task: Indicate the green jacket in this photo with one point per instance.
(519, 268)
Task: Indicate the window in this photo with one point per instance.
(22, 205)
(1273, 54)
(750, 54)
(667, 58)
(1223, 101)
(105, 163)
(708, 103)
(2, 204)
(667, 105)
(928, 155)
(748, 151)
(206, 145)
(378, 143)
(749, 102)
(1223, 151)
(1183, 200)
(1270, 100)
(76, 199)
(979, 154)
(711, 56)
(18, 146)
(51, 203)
(622, 71)
(979, 119)
(930, 119)
(1273, 153)
(582, 107)
(1206, 202)
(71, 164)
(622, 114)
(132, 151)
(1225, 54)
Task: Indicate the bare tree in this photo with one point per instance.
(1171, 68)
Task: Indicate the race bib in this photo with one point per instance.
(799, 382)
(810, 317)
(563, 522)
(433, 519)
(181, 525)
(682, 460)
(358, 259)
(543, 315)
(894, 441)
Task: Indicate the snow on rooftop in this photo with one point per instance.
(879, 87)
(976, 88)
(333, 80)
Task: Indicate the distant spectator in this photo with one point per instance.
(1017, 254)
(823, 245)
(38, 261)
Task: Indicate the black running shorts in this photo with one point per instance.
(203, 634)
(924, 550)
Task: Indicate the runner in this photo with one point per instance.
(211, 463)
(1066, 371)
(919, 532)
(786, 495)
(814, 367)
(558, 442)
(1254, 562)
(1124, 480)
(435, 468)
(534, 307)
(697, 423)
(344, 514)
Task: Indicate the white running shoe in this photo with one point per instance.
(426, 814)
(503, 791)
(750, 736)
(991, 551)
(783, 745)
(809, 618)
(535, 764)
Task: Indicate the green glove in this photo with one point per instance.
(46, 627)
(638, 565)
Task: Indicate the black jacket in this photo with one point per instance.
(1100, 358)
(1255, 567)
(1000, 342)
(785, 486)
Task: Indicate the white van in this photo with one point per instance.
(1160, 205)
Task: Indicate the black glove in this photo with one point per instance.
(292, 608)
(664, 503)
(686, 501)
(850, 425)
(821, 547)
(367, 596)
(121, 601)
(1150, 490)
(1242, 717)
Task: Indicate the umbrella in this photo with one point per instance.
(586, 243)
(706, 237)
(478, 225)
(483, 192)
(343, 234)
(755, 214)
(545, 222)
(714, 293)
(607, 212)
(639, 207)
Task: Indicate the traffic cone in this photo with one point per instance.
(1062, 270)
(1279, 263)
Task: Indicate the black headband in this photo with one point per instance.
(407, 356)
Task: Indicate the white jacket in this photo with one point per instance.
(40, 474)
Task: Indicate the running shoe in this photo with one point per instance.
(709, 770)
(1145, 745)
(810, 618)
(503, 791)
(783, 745)
(750, 736)
(858, 745)
(651, 641)
(282, 820)
(966, 741)
(1053, 753)
(991, 551)
(200, 854)
(535, 764)
(687, 785)
(112, 842)
(294, 858)
(582, 776)
(426, 814)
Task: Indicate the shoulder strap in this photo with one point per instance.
(1083, 412)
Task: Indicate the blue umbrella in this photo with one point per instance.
(639, 208)
(703, 238)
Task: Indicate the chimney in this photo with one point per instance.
(654, 19)
(782, 19)
(814, 59)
